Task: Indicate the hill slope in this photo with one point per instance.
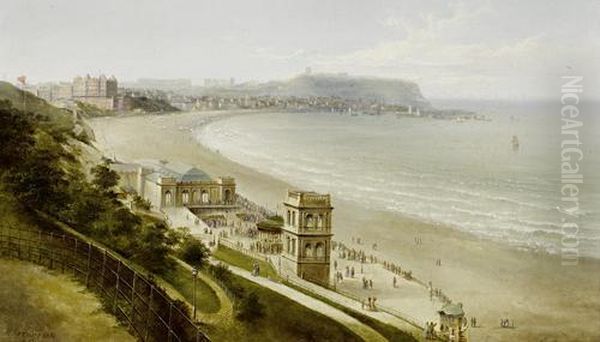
(27, 102)
(391, 91)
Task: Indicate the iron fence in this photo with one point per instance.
(145, 308)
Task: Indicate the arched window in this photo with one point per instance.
(195, 196)
(308, 250)
(320, 249)
(320, 221)
(227, 195)
(289, 217)
(309, 221)
(204, 196)
(185, 197)
(168, 198)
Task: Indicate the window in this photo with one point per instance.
(309, 221)
(204, 196)
(293, 218)
(320, 249)
(320, 221)
(308, 250)
(227, 196)
(185, 197)
(195, 196)
(168, 198)
(289, 217)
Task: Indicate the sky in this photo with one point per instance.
(484, 49)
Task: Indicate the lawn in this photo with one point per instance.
(388, 331)
(235, 258)
(181, 279)
(283, 320)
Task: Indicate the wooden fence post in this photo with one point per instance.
(170, 319)
(89, 265)
(62, 253)
(117, 288)
(149, 313)
(133, 299)
(51, 250)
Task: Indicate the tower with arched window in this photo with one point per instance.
(307, 235)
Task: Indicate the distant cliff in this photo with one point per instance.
(390, 91)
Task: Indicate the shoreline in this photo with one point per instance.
(493, 280)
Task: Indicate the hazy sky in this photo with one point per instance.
(489, 49)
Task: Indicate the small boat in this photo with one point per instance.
(515, 143)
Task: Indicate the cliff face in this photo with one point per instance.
(392, 91)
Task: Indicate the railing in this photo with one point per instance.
(135, 300)
(231, 244)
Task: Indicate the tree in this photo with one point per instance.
(250, 308)
(193, 251)
(153, 248)
(141, 203)
(16, 135)
(105, 179)
(39, 180)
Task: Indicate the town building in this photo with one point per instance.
(306, 236)
(172, 184)
(99, 91)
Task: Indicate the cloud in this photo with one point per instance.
(464, 50)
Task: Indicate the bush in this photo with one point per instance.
(250, 308)
(193, 251)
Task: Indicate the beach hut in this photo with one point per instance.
(453, 324)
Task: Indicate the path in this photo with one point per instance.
(382, 316)
(225, 313)
(361, 329)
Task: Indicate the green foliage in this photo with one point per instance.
(181, 278)
(40, 170)
(153, 248)
(39, 180)
(105, 179)
(193, 251)
(141, 203)
(148, 105)
(16, 135)
(90, 110)
(55, 121)
(276, 218)
(250, 308)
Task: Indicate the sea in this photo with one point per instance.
(468, 175)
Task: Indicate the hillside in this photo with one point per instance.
(148, 105)
(391, 91)
(60, 119)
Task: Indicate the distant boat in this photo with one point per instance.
(515, 143)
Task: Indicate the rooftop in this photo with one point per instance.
(300, 198)
(180, 171)
(452, 310)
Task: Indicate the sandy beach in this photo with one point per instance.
(547, 301)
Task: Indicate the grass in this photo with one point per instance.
(235, 258)
(181, 279)
(37, 304)
(390, 332)
(283, 320)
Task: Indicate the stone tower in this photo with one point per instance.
(306, 235)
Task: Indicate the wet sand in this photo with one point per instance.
(547, 301)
